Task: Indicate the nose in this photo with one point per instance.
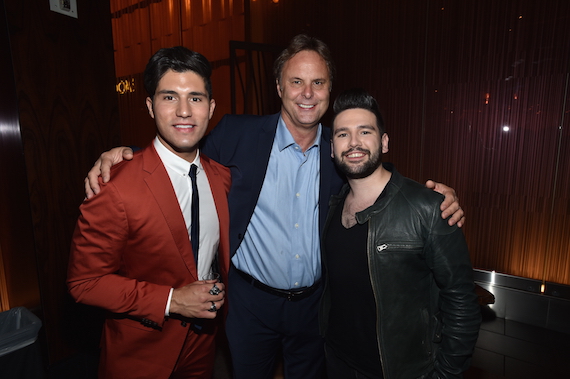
(354, 140)
(308, 91)
(184, 109)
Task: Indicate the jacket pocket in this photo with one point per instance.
(399, 247)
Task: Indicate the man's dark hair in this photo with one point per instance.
(177, 59)
(303, 42)
(358, 98)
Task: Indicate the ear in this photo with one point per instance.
(149, 106)
(385, 141)
(332, 151)
(212, 107)
(279, 91)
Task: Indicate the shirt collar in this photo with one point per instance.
(173, 161)
(284, 139)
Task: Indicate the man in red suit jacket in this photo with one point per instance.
(131, 253)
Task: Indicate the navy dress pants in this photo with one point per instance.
(261, 325)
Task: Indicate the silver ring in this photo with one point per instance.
(215, 290)
(213, 307)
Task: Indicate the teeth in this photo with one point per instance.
(355, 155)
(184, 126)
(305, 106)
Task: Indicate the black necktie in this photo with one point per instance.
(195, 226)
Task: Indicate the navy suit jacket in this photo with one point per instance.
(243, 144)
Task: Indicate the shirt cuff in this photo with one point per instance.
(167, 310)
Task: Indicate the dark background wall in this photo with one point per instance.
(449, 75)
(18, 273)
(68, 114)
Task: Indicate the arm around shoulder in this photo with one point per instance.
(450, 206)
(102, 167)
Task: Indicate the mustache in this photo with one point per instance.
(352, 150)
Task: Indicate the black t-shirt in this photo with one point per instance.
(351, 330)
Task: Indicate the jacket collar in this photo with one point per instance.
(393, 187)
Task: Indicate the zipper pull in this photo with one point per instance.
(381, 247)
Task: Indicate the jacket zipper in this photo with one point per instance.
(379, 249)
(398, 246)
(373, 280)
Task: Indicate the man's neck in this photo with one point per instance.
(304, 136)
(365, 191)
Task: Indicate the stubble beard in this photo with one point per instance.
(361, 171)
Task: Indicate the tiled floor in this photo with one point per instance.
(510, 349)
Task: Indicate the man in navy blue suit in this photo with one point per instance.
(282, 179)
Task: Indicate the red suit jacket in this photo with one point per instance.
(130, 247)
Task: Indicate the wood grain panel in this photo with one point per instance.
(202, 25)
(18, 271)
(68, 111)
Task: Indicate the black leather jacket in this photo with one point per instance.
(422, 279)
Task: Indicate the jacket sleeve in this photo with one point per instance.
(95, 272)
(459, 311)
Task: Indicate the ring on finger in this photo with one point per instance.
(215, 290)
(213, 307)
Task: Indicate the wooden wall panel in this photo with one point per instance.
(205, 26)
(18, 272)
(64, 76)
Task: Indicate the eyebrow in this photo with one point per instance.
(312, 80)
(344, 128)
(172, 92)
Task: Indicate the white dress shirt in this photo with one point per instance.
(178, 169)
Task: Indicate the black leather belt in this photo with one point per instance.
(291, 295)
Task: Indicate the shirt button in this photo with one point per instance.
(298, 194)
(296, 226)
(297, 256)
(296, 284)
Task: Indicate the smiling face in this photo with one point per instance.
(357, 143)
(304, 88)
(181, 109)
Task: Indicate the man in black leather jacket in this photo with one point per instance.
(399, 298)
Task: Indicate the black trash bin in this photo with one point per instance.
(20, 356)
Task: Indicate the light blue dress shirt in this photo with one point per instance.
(281, 245)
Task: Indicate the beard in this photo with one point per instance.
(361, 171)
